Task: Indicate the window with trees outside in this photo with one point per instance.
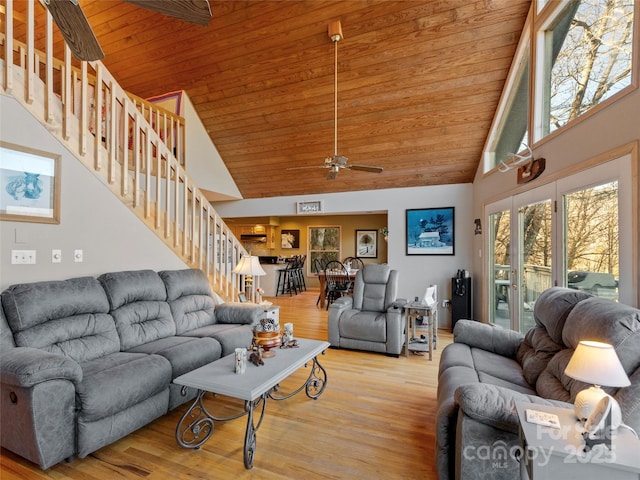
(584, 57)
(587, 58)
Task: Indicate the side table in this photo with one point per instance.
(558, 453)
(412, 311)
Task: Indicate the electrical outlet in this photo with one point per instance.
(446, 303)
(78, 256)
(23, 257)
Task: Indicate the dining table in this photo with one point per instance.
(323, 285)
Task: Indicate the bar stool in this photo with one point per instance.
(286, 281)
(302, 285)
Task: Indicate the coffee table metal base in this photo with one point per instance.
(197, 424)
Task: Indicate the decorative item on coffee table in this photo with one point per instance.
(267, 336)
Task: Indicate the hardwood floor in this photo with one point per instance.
(375, 420)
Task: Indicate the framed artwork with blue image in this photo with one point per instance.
(431, 231)
(29, 185)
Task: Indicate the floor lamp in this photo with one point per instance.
(249, 267)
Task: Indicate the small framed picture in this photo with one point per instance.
(242, 298)
(290, 239)
(29, 185)
(367, 243)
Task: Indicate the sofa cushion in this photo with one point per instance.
(375, 288)
(118, 381)
(499, 370)
(6, 335)
(184, 353)
(188, 281)
(190, 300)
(192, 311)
(544, 340)
(364, 325)
(622, 328)
(553, 383)
(536, 351)
(552, 308)
(138, 306)
(68, 317)
(127, 287)
(228, 336)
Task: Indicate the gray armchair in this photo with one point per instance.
(372, 319)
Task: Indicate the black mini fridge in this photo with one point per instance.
(460, 299)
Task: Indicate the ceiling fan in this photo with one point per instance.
(337, 162)
(77, 33)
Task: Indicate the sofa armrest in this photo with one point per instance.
(489, 337)
(26, 367)
(496, 406)
(339, 305)
(398, 303)
(238, 313)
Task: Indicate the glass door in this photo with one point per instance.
(499, 261)
(534, 268)
(566, 233)
(592, 239)
(520, 256)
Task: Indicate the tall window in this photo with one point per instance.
(511, 133)
(584, 56)
(587, 58)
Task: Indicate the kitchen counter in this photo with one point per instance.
(269, 282)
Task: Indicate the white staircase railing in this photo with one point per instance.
(111, 134)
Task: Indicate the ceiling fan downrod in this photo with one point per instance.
(335, 33)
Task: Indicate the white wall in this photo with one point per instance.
(203, 160)
(92, 219)
(416, 271)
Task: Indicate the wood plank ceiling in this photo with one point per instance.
(418, 84)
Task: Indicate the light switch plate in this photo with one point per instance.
(23, 257)
(56, 256)
(78, 256)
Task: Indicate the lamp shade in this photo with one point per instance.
(597, 363)
(249, 265)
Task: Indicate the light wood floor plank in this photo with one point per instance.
(375, 420)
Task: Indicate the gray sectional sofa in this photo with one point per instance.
(488, 369)
(86, 361)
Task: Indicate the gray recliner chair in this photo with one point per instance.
(372, 319)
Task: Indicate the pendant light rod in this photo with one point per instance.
(335, 33)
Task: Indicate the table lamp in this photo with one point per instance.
(249, 266)
(596, 363)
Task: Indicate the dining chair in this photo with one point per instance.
(318, 268)
(355, 262)
(337, 279)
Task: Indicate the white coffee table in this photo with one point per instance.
(254, 387)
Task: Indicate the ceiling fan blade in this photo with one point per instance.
(365, 168)
(75, 29)
(193, 11)
(307, 167)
